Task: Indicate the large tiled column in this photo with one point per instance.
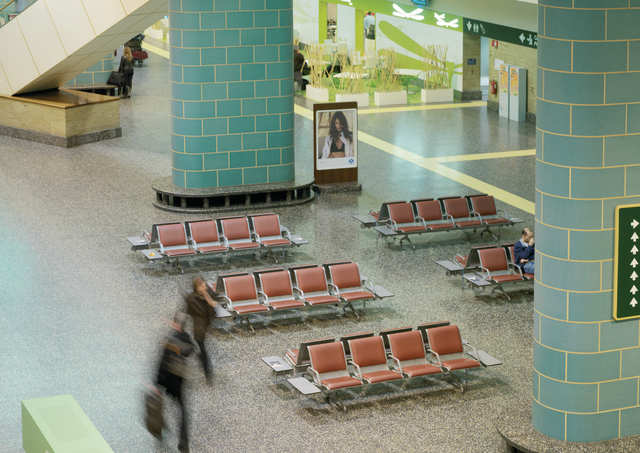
(232, 90)
(586, 366)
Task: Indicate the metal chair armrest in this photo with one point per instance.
(299, 291)
(264, 296)
(336, 290)
(486, 271)
(315, 374)
(355, 365)
(437, 356)
(397, 363)
(226, 299)
(224, 240)
(450, 217)
(511, 265)
(284, 232)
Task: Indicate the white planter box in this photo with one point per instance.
(390, 98)
(439, 95)
(318, 93)
(361, 98)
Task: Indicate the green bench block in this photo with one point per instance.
(59, 425)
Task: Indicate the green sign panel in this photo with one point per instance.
(501, 33)
(626, 273)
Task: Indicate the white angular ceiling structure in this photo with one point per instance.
(52, 41)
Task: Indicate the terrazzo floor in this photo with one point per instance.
(82, 314)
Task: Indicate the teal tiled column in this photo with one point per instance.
(232, 92)
(98, 74)
(586, 366)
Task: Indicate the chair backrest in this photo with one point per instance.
(430, 325)
(368, 351)
(401, 213)
(493, 259)
(383, 214)
(484, 205)
(385, 334)
(429, 209)
(303, 352)
(327, 357)
(240, 287)
(456, 207)
(345, 275)
(407, 345)
(266, 225)
(172, 234)
(204, 231)
(275, 284)
(236, 228)
(354, 336)
(445, 340)
(311, 279)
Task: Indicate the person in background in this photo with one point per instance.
(200, 306)
(172, 369)
(370, 26)
(298, 67)
(525, 251)
(126, 69)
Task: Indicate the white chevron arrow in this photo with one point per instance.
(634, 250)
(633, 276)
(633, 290)
(634, 263)
(633, 302)
(634, 236)
(634, 223)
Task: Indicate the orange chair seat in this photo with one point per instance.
(179, 252)
(357, 295)
(440, 226)
(462, 259)
(421, 370)
(276, 242)
(495, 221)
(374, 214)
(529, 276)
(506, 278)
(460, 364)
(381, 376)
(341, 382)
(244, 245)
(467, 223)
(212, 249)
(252, 308)
(317, 300)
(412, 229)
(282, 304)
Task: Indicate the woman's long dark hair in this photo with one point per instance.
(333, 132)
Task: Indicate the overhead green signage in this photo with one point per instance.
(626, 273)
(501, 33)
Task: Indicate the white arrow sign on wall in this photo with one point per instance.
(633, 290)
(633, 276)
(635, 223)
(634, 263)
(634, 236)
(633, 302)
(634, 250)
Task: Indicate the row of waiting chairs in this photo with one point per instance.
(220, 236)
(401, 218)
(408, 357)
(496, 264)
(295, 288)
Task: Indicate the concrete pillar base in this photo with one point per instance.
(518, 434)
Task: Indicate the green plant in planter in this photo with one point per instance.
(386, 78)
(437, 72)
(318, 66)
(353, 78)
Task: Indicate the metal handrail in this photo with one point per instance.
(7, 5)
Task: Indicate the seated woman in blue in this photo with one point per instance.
(525, 251)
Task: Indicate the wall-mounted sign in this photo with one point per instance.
(500, 32)
(626, 272)
(335, 142)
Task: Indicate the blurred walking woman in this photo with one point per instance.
(339, 142)
(126, 69)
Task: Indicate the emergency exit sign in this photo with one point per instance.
(626, 273)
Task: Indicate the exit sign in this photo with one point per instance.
(626, 273)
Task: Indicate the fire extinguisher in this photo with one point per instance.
(494, 87)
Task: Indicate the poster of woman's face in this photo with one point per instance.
(336, 139)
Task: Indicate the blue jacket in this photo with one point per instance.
(523, 252)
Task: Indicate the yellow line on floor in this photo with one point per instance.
(434, 164)
(157, 50)
(413, 108)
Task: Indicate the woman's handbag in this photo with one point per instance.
(116, 78)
